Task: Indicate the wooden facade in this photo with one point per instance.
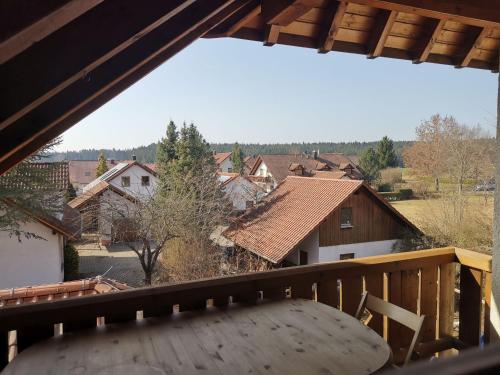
(371, 221)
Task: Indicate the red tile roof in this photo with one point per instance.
(56, 173)
(332, 175)
(221, 156)
(48, 292)
(292, 212)
(88, 195)
(84, 171)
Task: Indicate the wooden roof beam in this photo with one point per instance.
(336, 13)
(15, 38)
(383, 25)
(284, 12)
(426, 44)
(81, 98)
(473, 41)
(28, 85)
(271, 35)
(482, 13)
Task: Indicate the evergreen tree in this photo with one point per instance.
(192, 151)
(102, 166)
(70, 193)
(385, 153)
(238, 159)
(165, 151)
(369, 163)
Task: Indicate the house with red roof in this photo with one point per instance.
(224, 162)
(309, 220)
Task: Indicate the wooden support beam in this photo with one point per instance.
(474, 39)
(252, 12)
(271, 35)
(21, 37)
(426, 44)
(480, 13)
(383, 25)
(336, 13)
(26, 85)
(284, 12)
(84, 96)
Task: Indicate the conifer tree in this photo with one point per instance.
(238, 159)
(385, 153)
(102, 166)
(370, 165)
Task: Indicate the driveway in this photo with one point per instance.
(118, 262)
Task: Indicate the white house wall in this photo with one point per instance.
(226, 166)
(135, 173)
(360, 250)
(240, 190)
(309, 245)
(31, 261)
(111, 204)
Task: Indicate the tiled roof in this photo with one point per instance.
(48, 292)
(297, 206)
(226, 177)
(221, 156)
(332, 175)
(281, 166)
(88, 194)
(292, 212)
(57, 173)
(84, 171)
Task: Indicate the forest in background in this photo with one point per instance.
(147, 154)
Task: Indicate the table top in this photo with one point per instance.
(291, 336)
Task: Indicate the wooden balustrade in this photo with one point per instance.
(420, 281)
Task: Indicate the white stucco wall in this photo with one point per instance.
(240, 190)
(360, 250)
(226, 166)
(135, 173)
(309, 245)
(262, 171)
(31, 261)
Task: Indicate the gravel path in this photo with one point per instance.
(96, 260)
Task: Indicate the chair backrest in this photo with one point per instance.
(396, 313)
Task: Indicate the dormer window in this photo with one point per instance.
(145, 180)
(346, 217)
(125, 181)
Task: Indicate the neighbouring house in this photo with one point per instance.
(249, 162)
(119, 189)
(83, 172)
(39, 258)
(310, 220)
(33, 261)
(242, 192)
(275, 168)
(224, 162)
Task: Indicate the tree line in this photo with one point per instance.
(147, 154)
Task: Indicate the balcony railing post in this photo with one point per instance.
(447, 277)
(470, 305)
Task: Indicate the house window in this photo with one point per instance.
(346, 217)
(125, 181)
(145, 180)
(346, 256)
(230, 170)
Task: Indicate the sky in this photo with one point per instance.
(240, 91)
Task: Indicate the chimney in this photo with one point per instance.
(315, 155)
(134, 158)
(112, 161)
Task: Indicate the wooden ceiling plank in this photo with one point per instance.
(271, 35)
(108, 80)
(336, 13)
(252, 13)
(383, 25)
(44, 26)
(482, 13)
(284, 12)
(28, 85)
(428, 42)
(473, 43)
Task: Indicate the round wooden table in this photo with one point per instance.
(281, 337)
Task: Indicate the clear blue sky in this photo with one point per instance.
(236, 90)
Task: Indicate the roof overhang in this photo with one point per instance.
(47, 85)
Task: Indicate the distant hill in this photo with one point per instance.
(147, 154)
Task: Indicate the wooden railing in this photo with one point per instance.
(420, 281)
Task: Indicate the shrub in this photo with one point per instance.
(71, 262)
(384, 188)
(405, 194)
(390, 196)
